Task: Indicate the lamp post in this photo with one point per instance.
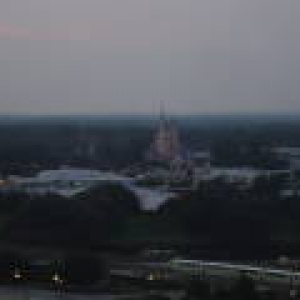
(58, 282)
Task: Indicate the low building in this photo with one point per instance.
(242, 176)
(201, 159)
(65, 181)
(290, 155)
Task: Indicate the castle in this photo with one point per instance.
(165, 146)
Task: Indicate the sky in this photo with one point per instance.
(128, 56)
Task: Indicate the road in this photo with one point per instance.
(10, 293)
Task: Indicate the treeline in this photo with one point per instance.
(27, 147)
(229, 221)
(255, 223)
(30, 146)
(87, 220)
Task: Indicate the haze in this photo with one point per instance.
(126, 56)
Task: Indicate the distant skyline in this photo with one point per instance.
(127, 56)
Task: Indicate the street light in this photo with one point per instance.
(57, 279)
(17, 274)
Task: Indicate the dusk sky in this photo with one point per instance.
(127, 56)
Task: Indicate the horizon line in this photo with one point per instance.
(202, 114)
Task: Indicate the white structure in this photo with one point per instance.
(67, 182)
(64, 181)
(244, 176)
(152, 199)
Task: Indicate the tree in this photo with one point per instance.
(83, 269)
(198, 289)
(244, 289)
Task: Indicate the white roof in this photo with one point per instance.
(69, 174)
(236, 172)
(151, 199)
(235, 266)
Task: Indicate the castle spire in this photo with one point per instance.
(162, 112)
(166, 143)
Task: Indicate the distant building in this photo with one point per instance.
(65, 181)
(68, 182)
(244, 176)
(182, 171)
(291, 155)
(165, 146)
(176, 164)
(201, 159)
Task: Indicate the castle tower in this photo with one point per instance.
(85, 144)
(166, 144)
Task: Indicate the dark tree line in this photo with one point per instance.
(251, 223)
(31, 145)
(89, 219)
